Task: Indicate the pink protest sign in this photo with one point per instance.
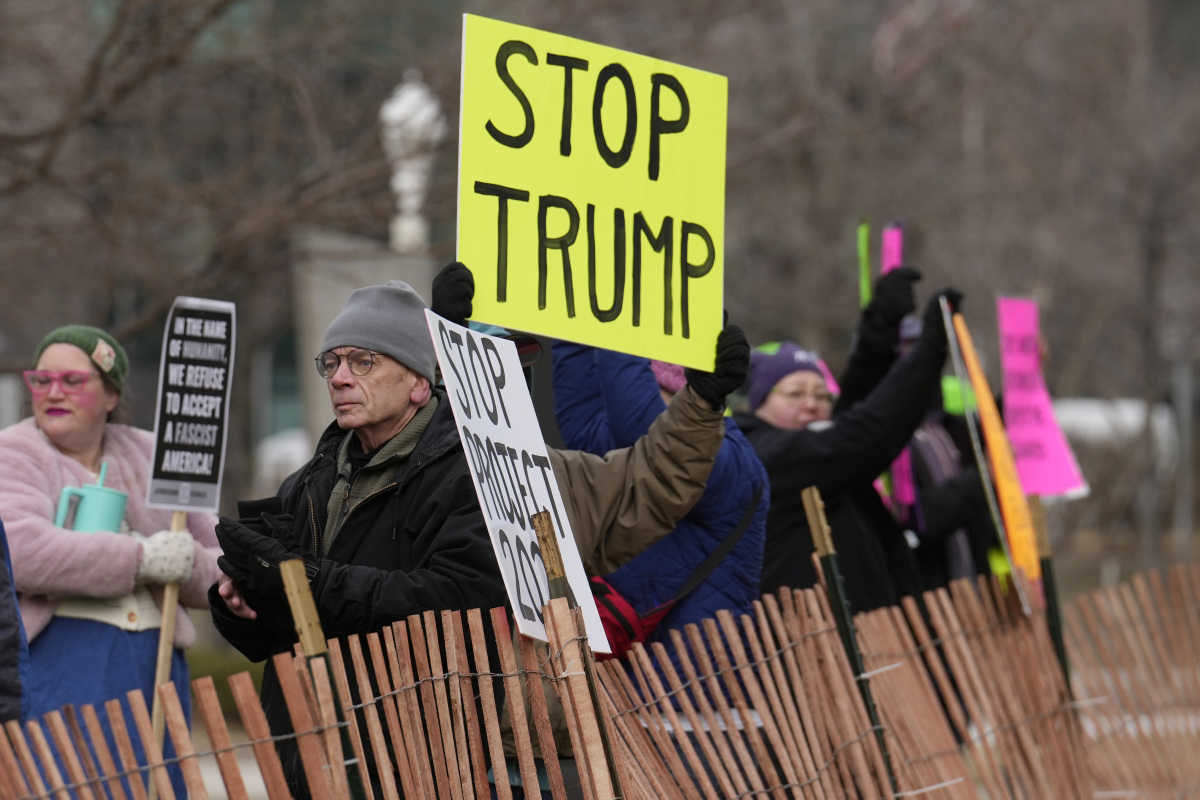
(1045, 463)
(893, 247)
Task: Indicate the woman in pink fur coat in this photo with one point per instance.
(91, 602)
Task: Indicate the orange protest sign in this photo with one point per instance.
(1014, 507)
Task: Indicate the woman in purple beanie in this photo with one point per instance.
(806, 438)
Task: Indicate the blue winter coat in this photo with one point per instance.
(605, 400)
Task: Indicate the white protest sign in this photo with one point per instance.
(510, 467)
(190, 423)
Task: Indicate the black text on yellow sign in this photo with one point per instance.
(591, 192)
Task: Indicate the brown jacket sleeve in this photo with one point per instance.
(626, 501)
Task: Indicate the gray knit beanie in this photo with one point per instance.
(387, 319)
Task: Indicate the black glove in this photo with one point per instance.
(453, 291)
(733, 362)
(878, 331)
(894, 298)
(252, 558)
(933, 330)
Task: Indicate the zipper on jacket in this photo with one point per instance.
(312, 523)
(345, 513)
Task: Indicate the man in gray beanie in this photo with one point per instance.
(384, 515)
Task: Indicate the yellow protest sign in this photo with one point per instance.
(1014, 507)
(591, 192)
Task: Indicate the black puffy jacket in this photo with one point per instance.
(420, 544)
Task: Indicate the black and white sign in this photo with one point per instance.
(511, 470)
(190, 424)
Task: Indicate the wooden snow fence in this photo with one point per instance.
(970, 695)
(1134, 651)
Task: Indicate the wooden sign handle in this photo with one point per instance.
(166, 642)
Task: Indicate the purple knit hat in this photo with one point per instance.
(670, 376)
(768, 369)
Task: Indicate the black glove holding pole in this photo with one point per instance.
(933, 329)
(453, 293)
(733, 363)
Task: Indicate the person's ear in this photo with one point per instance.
(420, 391)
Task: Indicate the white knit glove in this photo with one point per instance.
(166, 558)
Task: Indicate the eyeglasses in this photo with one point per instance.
(797, 397)
(359, 362)
(72, 381)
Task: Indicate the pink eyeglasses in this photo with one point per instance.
(72, 381)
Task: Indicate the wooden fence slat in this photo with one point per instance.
(79, 741)
(783, 625)
(535, 691)
(458, 764)
(487, 694)
(650, 773)
(366, 696)
(911, 774)
(569, 655)
(767, 653)
(688, 703)
(854, 732)
(463, 686)
(1026, 755)
(518, 722)
(387, 700)
(150, 746)
(298, 699)
(411, 701)
(936, 728)
(318, 669)
(185, 751)
(8, 762)
(208, 708)
(104, 756)
(441, 748)
(457, 714)
(716, 689)
(585, 758)
(46, 757)
(116, 722)
(337, 665)
(716, 732)
(699, 768)
(754, 698)
(255, 722)
(70, 757)
(814, 707)
(966, 681)
(1116, 771)
(1110, 647)
(660, 722)
(21, 745)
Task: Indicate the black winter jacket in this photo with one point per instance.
(842, 458)
(420, 544)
